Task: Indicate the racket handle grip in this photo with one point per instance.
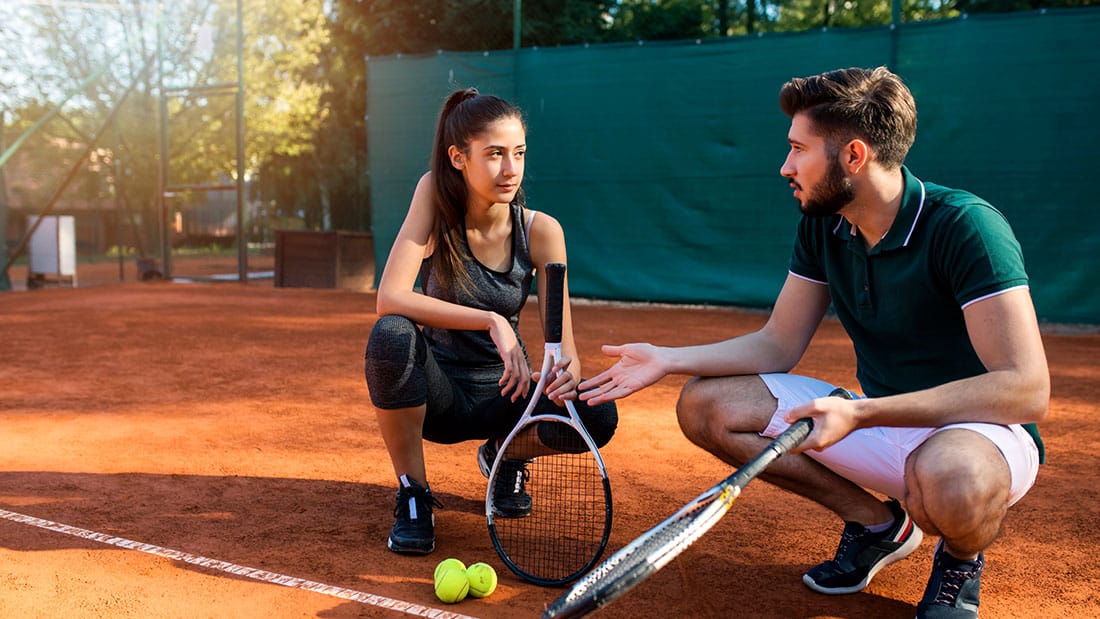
(800, 429)
(795, 434)
(555, 294)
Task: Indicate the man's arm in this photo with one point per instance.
(1004, 332)
(776, 347)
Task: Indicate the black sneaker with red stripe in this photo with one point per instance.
(861, 554)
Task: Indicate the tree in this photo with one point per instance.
(47, 64)
(60, 46)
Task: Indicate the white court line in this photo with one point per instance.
(237, 570)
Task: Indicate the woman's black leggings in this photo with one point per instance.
(462, 403)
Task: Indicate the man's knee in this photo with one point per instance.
(694, 409)
(957, 482)
(709, 407)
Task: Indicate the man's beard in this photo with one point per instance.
(831, 194)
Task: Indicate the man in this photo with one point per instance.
(930, 285)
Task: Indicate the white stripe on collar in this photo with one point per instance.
(920, 207)
(839, 220)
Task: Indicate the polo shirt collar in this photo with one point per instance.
(912, 206)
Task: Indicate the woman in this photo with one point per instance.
(446, 363)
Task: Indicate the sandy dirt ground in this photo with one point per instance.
(165, 447)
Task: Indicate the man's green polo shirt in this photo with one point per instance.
(902, 301)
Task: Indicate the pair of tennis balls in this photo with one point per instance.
(453, 580)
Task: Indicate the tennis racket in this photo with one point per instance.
(562, 532)
(656, 547)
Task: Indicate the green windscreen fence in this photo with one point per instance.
(662, 160)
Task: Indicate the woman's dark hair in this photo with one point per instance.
(870, 104)
(465, 114)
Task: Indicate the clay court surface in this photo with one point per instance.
(229, 425)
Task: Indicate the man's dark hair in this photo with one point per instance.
(870, 104)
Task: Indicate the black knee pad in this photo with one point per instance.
(393, 363)
(601, 422)
(392, 339)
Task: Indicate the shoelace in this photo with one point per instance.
(951, 585)
(403, 508)
(847, 538)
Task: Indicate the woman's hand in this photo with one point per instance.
(516, 379)
(563, 386)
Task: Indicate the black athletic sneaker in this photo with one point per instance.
(862, 554)
(953, 588)
(414, 524)
(510, 498)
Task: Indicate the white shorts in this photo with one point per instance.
(874, 458)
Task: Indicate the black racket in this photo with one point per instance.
(652, 550)
(552, 458)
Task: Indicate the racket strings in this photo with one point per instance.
(567, 527)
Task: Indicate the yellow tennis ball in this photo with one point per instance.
(445, 563)
(483, 579)
(451, 586)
